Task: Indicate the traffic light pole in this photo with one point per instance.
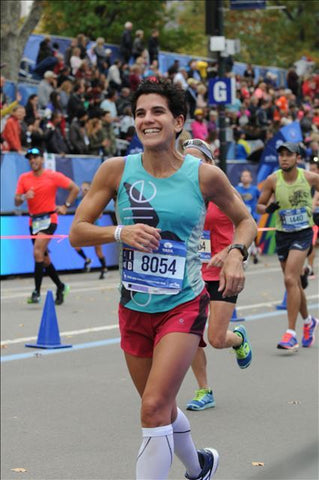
(215, 27)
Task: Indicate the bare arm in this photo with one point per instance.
(74, 190)
(20, 198)
(313, 179)
(266, 195)
(315, 200)
(104, 187)
(216, 187)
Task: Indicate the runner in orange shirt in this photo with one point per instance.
(39, 187)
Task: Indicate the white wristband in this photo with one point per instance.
(23, 197)
(117, 233)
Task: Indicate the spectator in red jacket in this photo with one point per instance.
(12, 130)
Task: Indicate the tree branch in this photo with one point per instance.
(111, 18)
(32, 20)
(285, 10)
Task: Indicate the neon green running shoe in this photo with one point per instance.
(243, 352)
(35, 297)
(203, 399)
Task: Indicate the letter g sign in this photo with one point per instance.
(220, 92)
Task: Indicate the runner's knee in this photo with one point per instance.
(291, 280)
(38, 254)
(155, 411)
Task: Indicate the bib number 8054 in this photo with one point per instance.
(158, 265)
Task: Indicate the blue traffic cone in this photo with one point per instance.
(234, 317)
(48, 336)
(283, 305)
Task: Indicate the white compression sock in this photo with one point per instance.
(308, 319)
(156, 453)
(184, 446)
(293, 332)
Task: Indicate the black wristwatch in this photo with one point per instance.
(241, 247)
(67, 204)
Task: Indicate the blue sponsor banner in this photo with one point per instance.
(292, 132)
(247, 4)
(17, 254)
(269, 157)
(13, 164)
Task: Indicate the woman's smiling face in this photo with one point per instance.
(154, 122)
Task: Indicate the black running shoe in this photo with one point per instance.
(61, 293)
(104, 272)
(35, 297)
(208, 460)
(304, 278)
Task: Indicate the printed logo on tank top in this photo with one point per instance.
(140, 194)
(299, 198)
(157, 272)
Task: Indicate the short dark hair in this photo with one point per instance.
(246, 170)
(174, 94)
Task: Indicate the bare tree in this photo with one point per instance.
(15, 34)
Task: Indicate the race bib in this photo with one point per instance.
(294, 219)
(40, 223)
(205, 251)
(159, 272)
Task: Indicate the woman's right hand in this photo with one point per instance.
(141, 236)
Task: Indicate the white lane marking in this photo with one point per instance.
(26, 292)
(70, 333)
(115, 326)
(269, 304)
(81, 286)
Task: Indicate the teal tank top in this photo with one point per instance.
(159, 281)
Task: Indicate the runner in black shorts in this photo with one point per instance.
(285, 242)
(292, 208)
(39, 187)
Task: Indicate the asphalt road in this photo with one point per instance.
(72, 413)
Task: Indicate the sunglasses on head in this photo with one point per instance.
(193, 141)
(33, 151)
(196, 143)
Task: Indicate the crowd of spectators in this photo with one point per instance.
(82, 105)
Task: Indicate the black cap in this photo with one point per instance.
(292, 147)
(35, 152)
